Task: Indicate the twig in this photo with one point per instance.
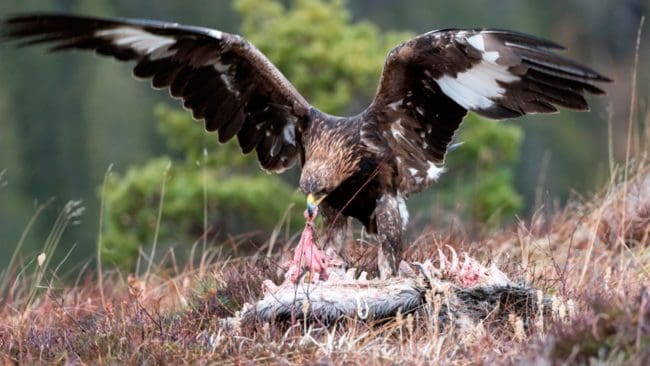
(60, 304)
(158, 220)
(100, 238)
(628, 150)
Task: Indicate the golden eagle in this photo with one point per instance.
(364, 166)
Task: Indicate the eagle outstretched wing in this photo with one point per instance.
(221, 77)
(431, 81)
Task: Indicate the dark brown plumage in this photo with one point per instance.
(364, 166)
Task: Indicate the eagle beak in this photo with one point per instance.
(313, 202)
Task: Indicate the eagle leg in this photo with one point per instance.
(389, 233)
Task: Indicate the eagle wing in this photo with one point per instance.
(221, 77)
(431, 81)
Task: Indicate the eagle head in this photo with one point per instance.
(332, 155)
(320, 177)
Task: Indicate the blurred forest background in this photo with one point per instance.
(64, 119)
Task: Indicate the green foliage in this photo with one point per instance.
(221, 180)
(336, 64)
(330, 59)
(188, 137)
(482, 170)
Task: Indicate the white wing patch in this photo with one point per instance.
(427, 174)
(434, 171)
(477, 87)
(395, 105)
(141, 41)
(289, 133)
(226, 75)
(215, 33)
(478, 42)
(396, 129)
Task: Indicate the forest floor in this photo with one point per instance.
(592, 260)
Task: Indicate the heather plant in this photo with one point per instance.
(593, 285)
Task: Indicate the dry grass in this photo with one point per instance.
(593, 259)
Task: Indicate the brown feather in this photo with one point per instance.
(365, 165)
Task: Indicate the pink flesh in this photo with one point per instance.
(307, 255)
